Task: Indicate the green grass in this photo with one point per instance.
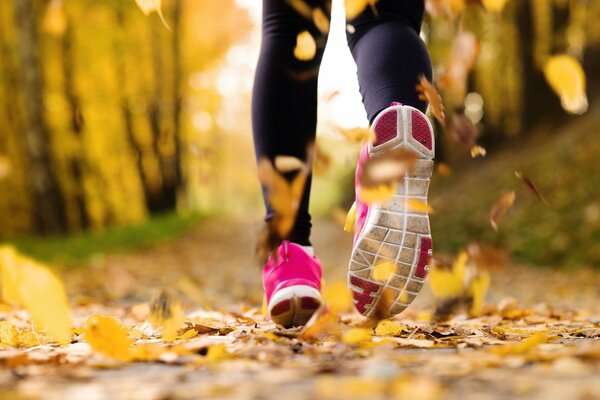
(565, 166)
(74, 250)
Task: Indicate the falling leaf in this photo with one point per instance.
(355, 7)
(477, 291)
(443, 169)
(387, 168)
(567, 78)
(419, 206)
(501, 207)
(382, 308)
(301, 8)
(494, 5)
(327, 326)
(31, 285)
(288, 164)
(350, 219)
(531, 186)
(390, 328)
(322, 161)
(357, 336)
(166, 313)
(462, 129)
(378, 194)
(55, 19)
(321, 20)
(357, 135)
(447, 283)
(478, 151)
(306, 47)
(107, 336)
(429, 93)
(337, 297)
(150, 6)
(382, 271)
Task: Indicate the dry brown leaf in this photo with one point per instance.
(501, 207)
(531, 186)
(429, 93)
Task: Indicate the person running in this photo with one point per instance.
(390, 56)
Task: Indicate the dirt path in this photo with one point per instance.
(212, 269)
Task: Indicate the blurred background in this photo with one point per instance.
(119, 130)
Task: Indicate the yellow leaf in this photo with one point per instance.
(478, 288)
(357, 135)
(390, 328)
(168, 314)
(306, 47)
(449, 283)
(28, 339)
(478, 151)
(567, 78)
(288, 163)
(217, 352)
(350, 219)
(355, 7)
(147, 352)
(523, 347)
(416, 205)
(377, 194)
(494, 5)
(106, 335)
(337, 297)
(8, 334)
(382, 271)
(150, 6)
(357, 336)
(321, 21)
(31, 285)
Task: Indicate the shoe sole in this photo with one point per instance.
(294, 305)
(392, 232)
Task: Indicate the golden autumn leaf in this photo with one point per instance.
(337, 297)
(306, 47)
(55, 19)
(355, 7)
(301, 8)
(350, 219)
(428, 92)
(8, 334)
(357, 135)
(567, 78)
(447, 283)
(377, 194)
(320, 20)
(390, 328)
(523, 347)
(326, 327)
(419, 206)
(150, 6)
(107, 336)
(357, 336)
(494, 5)
(501, 207)
(168, 314)
(34, 287)
(478, 151)
(382, 271)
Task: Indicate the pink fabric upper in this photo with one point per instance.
(293, 266)
(361, 208)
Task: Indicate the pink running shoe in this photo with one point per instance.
(292, 284)
(390, 232)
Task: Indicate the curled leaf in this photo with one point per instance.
(501, 207)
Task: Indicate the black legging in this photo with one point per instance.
(389, 56)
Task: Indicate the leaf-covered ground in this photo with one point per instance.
(536, 337)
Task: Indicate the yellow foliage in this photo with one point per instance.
(306, 47)
(567, 78)
(357, 336)
(390, 328)
(377, 194)
(337, 297)
(106, 335)
(8, 334)
(350, 219)
(449, 283)
(217, 352)
(417, 205)
(382, 271)
(31, 285)
(523, 347)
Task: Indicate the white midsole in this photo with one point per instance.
(293, 291)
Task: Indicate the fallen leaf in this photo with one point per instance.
(306, 47)
(8, 334)
(501, 207)
(390, 328)
(357, 336)
(107, 336)
(523, 347)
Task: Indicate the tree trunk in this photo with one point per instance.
(47, 196)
